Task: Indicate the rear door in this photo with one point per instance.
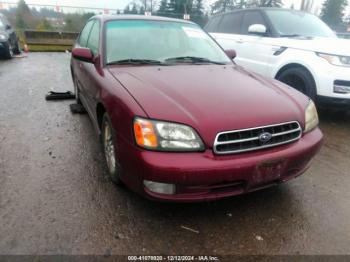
(81, 76)
(227, 32)
(92, 74)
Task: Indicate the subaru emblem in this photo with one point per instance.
(265, 137)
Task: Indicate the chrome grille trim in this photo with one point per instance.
(297, 131)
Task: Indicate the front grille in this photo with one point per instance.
(250, 139)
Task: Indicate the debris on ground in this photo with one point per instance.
(190, 229)
(77, 109)
(59, 95)
(259, 238)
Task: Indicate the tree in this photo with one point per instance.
(306, 5)
(142, 10)
(333, 12)
(177, 8)
(44, 25)
(264, 3)
(134, 9)
(222, 6)
(270, 3)
(24, 17)
(162, 8)
(74, 22)
(127, 10)
(197, 14)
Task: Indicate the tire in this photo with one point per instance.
(300, 79)
(8, 52)
(76, 92)
(110, 150)
(16, 49)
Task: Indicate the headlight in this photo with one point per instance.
(2, 37)
(166, 136)
(311, 117)
(335, 59)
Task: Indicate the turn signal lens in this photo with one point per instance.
(144, 133)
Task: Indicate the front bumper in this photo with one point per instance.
(205, 176)
(334, 102)
(327, 77)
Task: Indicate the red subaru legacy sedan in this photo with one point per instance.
(179, 120)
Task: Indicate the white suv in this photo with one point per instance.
(294, 47)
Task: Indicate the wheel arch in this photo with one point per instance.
(292, 65)
(298, 65)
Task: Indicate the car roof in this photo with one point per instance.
(260, 9)
(105, 18)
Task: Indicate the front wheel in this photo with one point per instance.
(76, 91)
(16, 49)
(110, 150)
(300, 79)
(8, 51)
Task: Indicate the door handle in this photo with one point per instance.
(239, 41)
(80, 65)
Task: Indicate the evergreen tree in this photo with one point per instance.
(142, 10)
(134, 9)
(222, 6)
(270, 3)
(197, 14)
(127, 10)
(333, 12)
(264, 3)
(24, 17)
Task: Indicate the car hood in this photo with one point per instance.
(211, 98)
(329, 45)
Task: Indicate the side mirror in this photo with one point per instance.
(257, 29)
(231, 53)
(83, 54)
(8, 27)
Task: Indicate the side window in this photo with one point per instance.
(251, 18)
(94, 38)
(212, 26)
(231, 23)
(84, 35)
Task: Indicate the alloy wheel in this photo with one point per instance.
(109, 148)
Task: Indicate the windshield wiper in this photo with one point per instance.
(132, 61)
(194, 59)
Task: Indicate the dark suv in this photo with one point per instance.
(8, 39)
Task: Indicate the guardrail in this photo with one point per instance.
(49, 41)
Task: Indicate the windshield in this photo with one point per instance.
(159, 41)
(289, 23)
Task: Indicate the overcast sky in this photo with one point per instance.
(120, 4)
